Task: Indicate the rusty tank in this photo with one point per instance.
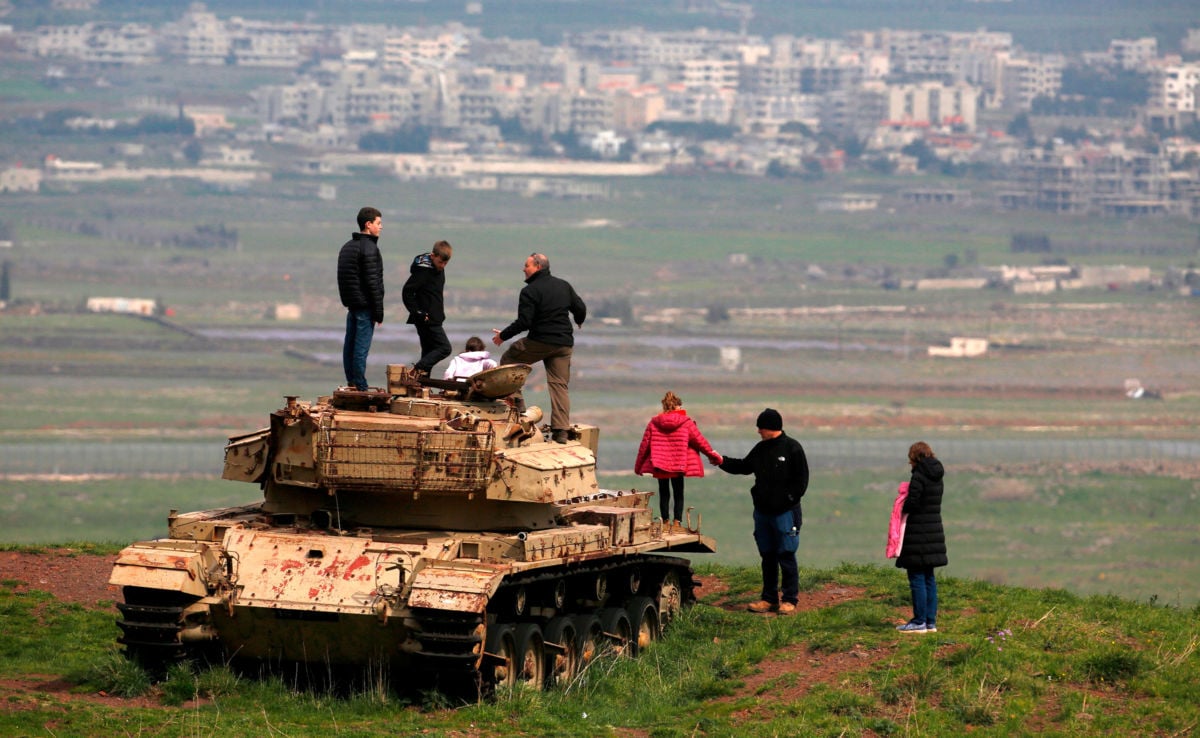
(430, 528)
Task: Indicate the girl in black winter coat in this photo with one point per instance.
(924, 546)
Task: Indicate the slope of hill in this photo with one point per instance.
(1006, 661)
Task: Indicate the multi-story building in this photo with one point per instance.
(409, 48)
(942, 54)
(671, 48)
(769, 113)
(709, 73)
(1023, 79)
(926, 104)
(95, 43)
(301, 104)
(635, 109)
(1174, 87)
(199, 37)
(1133, 53)
(1111, 181)
(586, 113)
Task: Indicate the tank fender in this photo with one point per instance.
(453, 586)
(173, 566)
(246, 456)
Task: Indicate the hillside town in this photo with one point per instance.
(1111, 132)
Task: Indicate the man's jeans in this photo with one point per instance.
(359, 331)
(777, 538)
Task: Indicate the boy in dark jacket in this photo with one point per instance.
(780, 471)
(360, 285)
(422, 295)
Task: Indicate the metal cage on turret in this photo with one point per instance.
(374, 454)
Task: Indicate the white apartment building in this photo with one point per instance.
(930, 104)
(934, 53)
(95, 43)
(1025, 78)
(409, 49)
(1174, 87)
(699, 105)
(20, 179)
(709, 73)
(199, 37)
(770, 112)
(1133, 53)
(670, 48)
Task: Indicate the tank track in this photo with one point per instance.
(524, 635)
(151, 623)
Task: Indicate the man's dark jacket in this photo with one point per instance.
(924, 537)
(360, 275)
(780, 471)
(545, 309)
(422, 293)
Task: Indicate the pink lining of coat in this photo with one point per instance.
(896, 527)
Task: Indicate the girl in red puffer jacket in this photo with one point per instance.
(670, 450)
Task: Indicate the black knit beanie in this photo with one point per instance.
(770, 419)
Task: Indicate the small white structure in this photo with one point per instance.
(731, 359)
(848, 203)
(950, 283)
(19, 179)
(286, 311)
(124, 305)
(961, 347)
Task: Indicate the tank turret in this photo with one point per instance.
(428, 526)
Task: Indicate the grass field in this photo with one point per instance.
(1093, 532)
(1006, 661)
(219, 366)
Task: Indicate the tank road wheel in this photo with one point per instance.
(600, 588)
(590, 639)
(643, 617)
(560, 594)
(562, 652)
(618, 630)
(670, 599)
(520, 601)
(530, 656)
(501, 668)
(633, 582)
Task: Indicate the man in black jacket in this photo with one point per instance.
(422, 295)
(780, 471)
(545, 308)
(360, 285)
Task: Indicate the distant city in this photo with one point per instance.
(1111, 131)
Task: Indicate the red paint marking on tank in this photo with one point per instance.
(355, 565)
(290, 564)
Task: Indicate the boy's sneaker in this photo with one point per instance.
(930, 628)
(786, 608)
(912, 627)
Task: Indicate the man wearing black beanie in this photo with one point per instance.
(780, 471)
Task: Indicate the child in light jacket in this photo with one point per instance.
(470, 362)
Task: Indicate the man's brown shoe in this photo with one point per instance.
(762, 606)
(786, 608)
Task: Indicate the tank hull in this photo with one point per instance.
(421, 604)
(440, 537)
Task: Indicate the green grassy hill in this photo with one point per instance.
(1005, 661)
